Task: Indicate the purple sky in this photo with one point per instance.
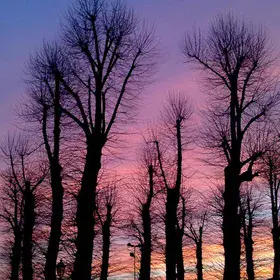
(25, 23)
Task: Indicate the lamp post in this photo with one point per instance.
(133, 255)
(60, 269)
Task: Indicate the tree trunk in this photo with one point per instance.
(106, 234)
(85, 213)
(146, 249)
(16, 254)
(170, 232)
(56, 221)
(56, 185)
(248, 242)
(173, 194)
(180, 257)
(199, 266)
(28, 226)
(231, 225)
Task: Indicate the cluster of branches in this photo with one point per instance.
(59, 199)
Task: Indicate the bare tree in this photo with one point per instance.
(108, 56)
(250, 206)
(102, 66)
(236, 58)
(43, 108)
(194, 230)
(251, 218)
(176, 116)
(26, 176)
(270, 171)
(146, 189)
(146, 245)
(107, 208)
(12, 219)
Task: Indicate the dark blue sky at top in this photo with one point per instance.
(24, 24)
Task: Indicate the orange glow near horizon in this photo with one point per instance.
(212, 261)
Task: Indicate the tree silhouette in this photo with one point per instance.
(44, 108)
(11, 221)
(236, 58)
(109, 54)
(25, 176)
(146, 188)
(107, 208)
(194, 230)
(270, 171)
(106, 59)
(58, 198)
(250, 206)
(176, 115)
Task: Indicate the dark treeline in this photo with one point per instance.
(62, 205)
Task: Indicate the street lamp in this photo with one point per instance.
(60, 269)
(133, 255)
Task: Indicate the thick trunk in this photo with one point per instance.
(180, 257)
(56, 221)
(146, 250)
(16, 254)
(231, 225)
(199, 266)
(106, 234)
(85, 213)
(170, 232)
(28, 227)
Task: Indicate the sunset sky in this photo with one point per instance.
(26, 23)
